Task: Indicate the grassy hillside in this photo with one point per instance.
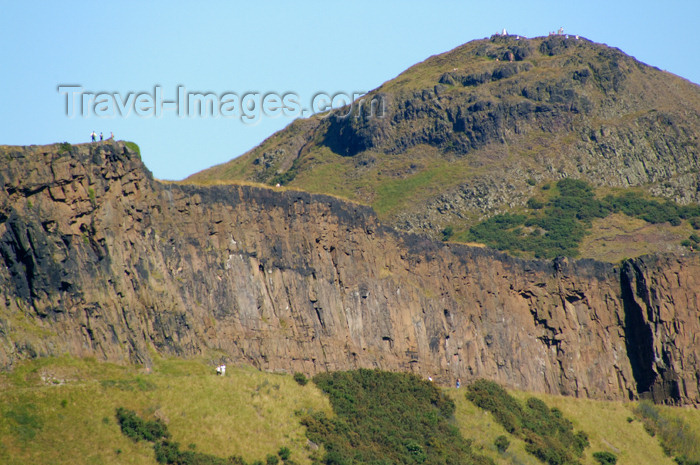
(471, 133)
(606, 424)
(62, 411)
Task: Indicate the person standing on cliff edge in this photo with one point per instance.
(94, 136)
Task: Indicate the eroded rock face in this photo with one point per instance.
(97, 258)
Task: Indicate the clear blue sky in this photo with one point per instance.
(271, 46)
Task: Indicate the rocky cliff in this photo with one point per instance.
(99, 259)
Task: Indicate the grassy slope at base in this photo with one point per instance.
(63, 411)
(605, 423)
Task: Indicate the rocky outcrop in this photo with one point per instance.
(99, 259)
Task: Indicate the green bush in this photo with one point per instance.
(300, 378)
(651, 211)
(690, 212)
(64, 147)
(492, 397)
(502, 443)
(447, 233)
(284, 453)
(534, 204)
(387, 418)
(271, 459)
(137, 429)
(605, 458)
(288, 176)
(683, 460)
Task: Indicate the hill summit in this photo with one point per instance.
(477, 131)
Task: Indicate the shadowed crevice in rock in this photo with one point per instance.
(654, 361)
(639, 338)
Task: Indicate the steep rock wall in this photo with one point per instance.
(98, 259)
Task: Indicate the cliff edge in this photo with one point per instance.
(99, 259)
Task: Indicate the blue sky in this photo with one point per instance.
(269, 47)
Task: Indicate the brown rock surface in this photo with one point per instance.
(97, 258)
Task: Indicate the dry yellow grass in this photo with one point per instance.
(219, 182)
(619, 236)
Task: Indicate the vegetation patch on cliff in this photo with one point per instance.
(555, 223)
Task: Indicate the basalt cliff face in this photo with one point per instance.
(99, 259)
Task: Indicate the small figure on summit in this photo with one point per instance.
(93, 136)
(101, 137)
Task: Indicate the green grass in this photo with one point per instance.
(619, 236)
(133, 146)
(391, 183)
(392, 195)
(61, 411)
